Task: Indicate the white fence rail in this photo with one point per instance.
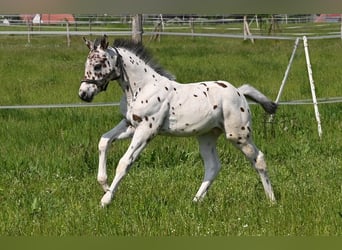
(262, 26)
(331, 100)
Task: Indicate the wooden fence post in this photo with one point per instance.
(29, 29)
(158, 28)
(246, 32)
(137, 28)
(341, 25)
(68, 32)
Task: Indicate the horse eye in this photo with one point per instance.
(97, 67)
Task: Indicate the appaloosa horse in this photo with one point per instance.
(154, 103)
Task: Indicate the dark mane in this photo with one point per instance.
(143, 54)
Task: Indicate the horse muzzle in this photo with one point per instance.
(87, 91)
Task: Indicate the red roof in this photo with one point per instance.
(328, 18)
(49, 18)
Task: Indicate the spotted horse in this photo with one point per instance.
(153, 103)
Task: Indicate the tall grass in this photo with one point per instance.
(49, 157)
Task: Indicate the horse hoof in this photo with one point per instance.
(197, 199)
(106, 199)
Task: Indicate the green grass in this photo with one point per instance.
(49, 157)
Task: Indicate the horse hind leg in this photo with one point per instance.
(256, 157)
(207, 146)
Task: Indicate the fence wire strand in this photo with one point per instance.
(113, 104)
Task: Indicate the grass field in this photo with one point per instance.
(48, 157)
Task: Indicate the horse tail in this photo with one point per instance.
(255, 95)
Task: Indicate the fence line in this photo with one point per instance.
(70, 105)
(151, 33)
(13, 19)
(67, 32)
(79, 33)
(113, 104)
(98, 25)
(218, 35)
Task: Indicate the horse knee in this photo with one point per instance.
(103, 144)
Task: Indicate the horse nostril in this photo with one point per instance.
(83, 95)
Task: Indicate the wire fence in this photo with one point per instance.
(261, 26)
(113, 104)
(277, 27)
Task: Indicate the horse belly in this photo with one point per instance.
(191, 118)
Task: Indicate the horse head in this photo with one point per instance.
(101, 67)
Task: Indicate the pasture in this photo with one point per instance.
(49, 157)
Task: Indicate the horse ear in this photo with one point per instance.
(104, 42)
(88, 43)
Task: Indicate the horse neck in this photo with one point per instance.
(136, 74)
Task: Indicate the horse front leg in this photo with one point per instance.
(138, 143)
(122, 131)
